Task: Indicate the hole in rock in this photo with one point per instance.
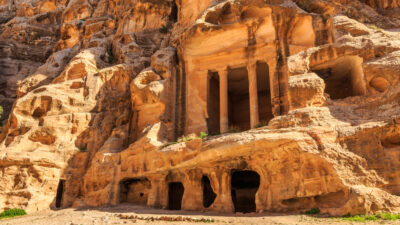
(134, 191)
(264, 93)
(244, 186)
(175, 194)
(208, 193)
(174, 12)
(238, 99)
(60, 191)
(343, 77)
(213, 103)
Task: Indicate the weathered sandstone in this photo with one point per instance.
(104, 101)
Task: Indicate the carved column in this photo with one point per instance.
(253, 94)
(223, 102)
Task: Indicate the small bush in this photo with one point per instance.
(312, 211)
(203, 135)
(1, 111)
(82, 149)
(380, 216)
(12, 213)
(388, 216)
(361, 218)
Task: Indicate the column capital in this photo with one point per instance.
(223, 71)
(251, 65)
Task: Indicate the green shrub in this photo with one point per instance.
(1, 111)
(388, 216)
(82, 149)
(312, 211)
(12, 213)
(361, 218)
(203, 135)
(379, 216)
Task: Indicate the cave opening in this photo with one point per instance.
(238, 99)
(174, 12)
(343, 78)
(213, 103)
(244, 186)
(175, 194)
(135, 191)
(60, 192)
(264, 93)
(208, 193)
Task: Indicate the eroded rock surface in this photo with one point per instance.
(300, 100)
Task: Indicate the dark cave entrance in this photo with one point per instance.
(244, 186)
(60, 192)
(175, 194)
(213, 103)
(343, 78)
(264, 93)
(337, 87)
(135, 191)
(208, 193)
(174, 12)
(238, 99)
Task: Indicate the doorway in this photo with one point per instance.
(175, 194)
(60, 192)
(238, 99)
(208, 193)
(244, 186)
(213, 104)
(134, 191)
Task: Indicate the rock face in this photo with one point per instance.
(104, 102)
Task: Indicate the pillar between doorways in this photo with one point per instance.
(253, 94)
(223, 95)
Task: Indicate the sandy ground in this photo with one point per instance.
(139, 215)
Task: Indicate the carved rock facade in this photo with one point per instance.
(301, 98)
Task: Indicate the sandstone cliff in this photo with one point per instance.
(300, 99)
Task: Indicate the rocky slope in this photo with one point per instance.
(94, 90)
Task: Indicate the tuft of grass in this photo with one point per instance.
(379, 216)
(312, 211)
(388, 216)
(203, 135)
(12, 213)
(361, 218)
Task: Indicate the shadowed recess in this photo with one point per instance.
(244, 186)
(208, 193)
(175, 194)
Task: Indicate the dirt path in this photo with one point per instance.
(128, 214)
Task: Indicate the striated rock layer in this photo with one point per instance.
(104, 101)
